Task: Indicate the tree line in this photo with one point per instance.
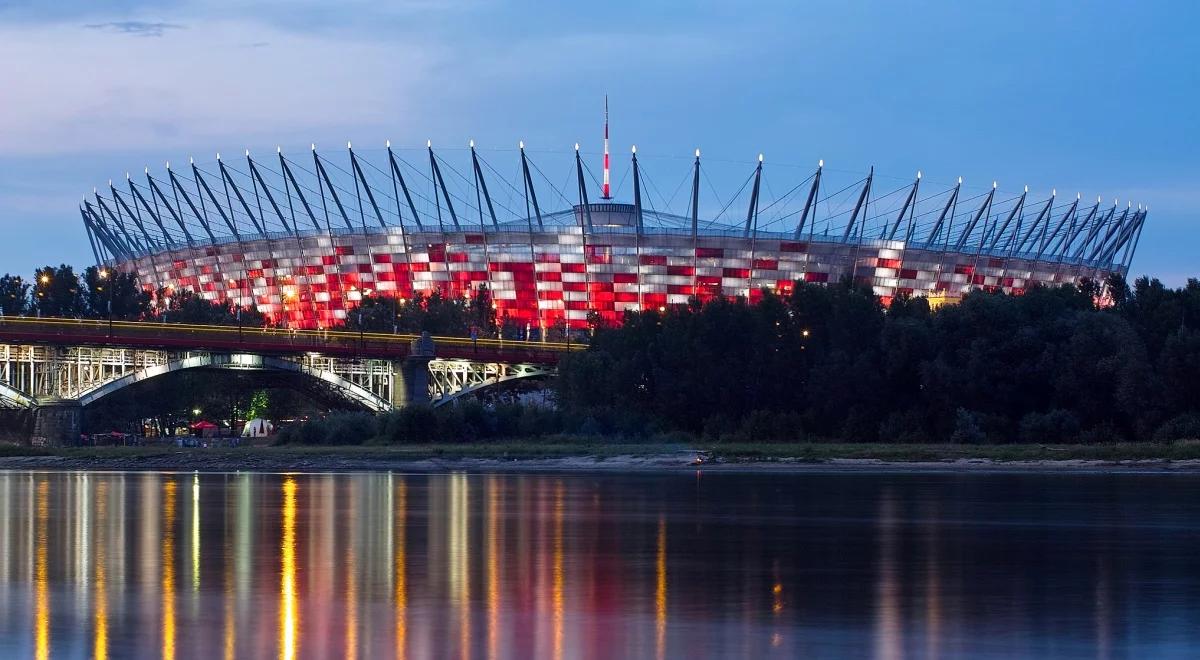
(102, 293)
(1062, 364)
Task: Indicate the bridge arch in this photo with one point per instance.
(451, 380)
(240, 361)
(11, 397)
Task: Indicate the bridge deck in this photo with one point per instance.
(183, 336)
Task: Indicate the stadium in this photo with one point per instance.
(305, 239)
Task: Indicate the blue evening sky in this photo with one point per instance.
(1100, 98)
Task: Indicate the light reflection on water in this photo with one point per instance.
(288, 623)
(597, 565)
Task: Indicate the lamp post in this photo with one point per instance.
(104, 276)
(43, 284)
(235, 304)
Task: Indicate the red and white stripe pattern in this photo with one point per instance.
(562, 274)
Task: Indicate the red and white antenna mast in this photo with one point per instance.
(604, 192)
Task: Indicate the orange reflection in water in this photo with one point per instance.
(494, 495)
(230, 613)
(401, 586)
(558, 570)
(889, 627)
(100, 642)
(660, 590)
(168, 572)
(195, 532)
(288, 618)
(352, 581)
(460, 558)
(41, 588)
(233, 508)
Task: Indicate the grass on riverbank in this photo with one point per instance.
(1121, 451)
(495, 450)
(731, 452)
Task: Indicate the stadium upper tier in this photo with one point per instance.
(305, 240)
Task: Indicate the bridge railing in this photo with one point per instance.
(190, 336)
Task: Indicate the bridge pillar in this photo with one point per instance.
(57, 422)
(410, 376)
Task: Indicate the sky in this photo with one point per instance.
(1100, 97)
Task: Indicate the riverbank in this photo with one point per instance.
(481, 457)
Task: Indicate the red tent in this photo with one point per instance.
(203, 424)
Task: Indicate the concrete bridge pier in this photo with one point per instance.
(411, 375)
(56, 422)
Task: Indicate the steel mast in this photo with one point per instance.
(605, 192)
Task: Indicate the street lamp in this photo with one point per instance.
(43, 283)
(104, 276)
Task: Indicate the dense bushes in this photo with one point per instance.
(1054, 426)
(466, 421)
(341, 428)
(471, 421)
(1053, 365)
(1183, 427)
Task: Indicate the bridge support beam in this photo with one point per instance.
(410, 376)
(57, 422)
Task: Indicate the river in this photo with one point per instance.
(582, 565)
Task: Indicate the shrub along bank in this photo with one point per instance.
(1051, 366)
(1060, 365)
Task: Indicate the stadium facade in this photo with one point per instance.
(304, 240)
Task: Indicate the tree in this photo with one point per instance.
(115, 294)
(435, 313)
(481, 311)
(1118, 290)
(375, 313)
(187, 307)
(56, 292)
(14, 295)
(260, 402)
(445, 315)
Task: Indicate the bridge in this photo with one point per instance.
(54, 367)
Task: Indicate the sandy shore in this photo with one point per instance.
(198, 460)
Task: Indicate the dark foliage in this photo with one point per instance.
(1052, 365)
(433, 313)
(112, 293)
(187, 307)
(57, 292)
(339, 428)
(14, 295)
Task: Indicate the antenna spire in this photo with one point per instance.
(604, 192)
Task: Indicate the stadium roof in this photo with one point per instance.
(419, 190)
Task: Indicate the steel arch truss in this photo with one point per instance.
(29, 373)
(361, 384)
(14, 398)
(451, 379)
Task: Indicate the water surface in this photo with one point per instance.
(598, 565)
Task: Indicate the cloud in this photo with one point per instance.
(205, 88)
(135, 28)
(366, 18)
